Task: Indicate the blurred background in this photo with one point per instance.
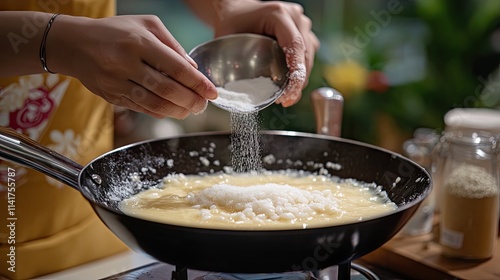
(400, 64)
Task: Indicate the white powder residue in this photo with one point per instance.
(227, 169)
(173, 178)
(263, 202)
(269, 159)
(299, 74)
(245, 94)
(297, 77)
(204, 161)
(194, 154)
(145, 170)
(334, 166)
(135, 177)
(295, 83)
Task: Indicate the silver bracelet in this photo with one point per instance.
(43, 57)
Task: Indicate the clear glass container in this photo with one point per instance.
(469, 211)
(419, 149)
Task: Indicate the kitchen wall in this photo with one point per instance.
(400, 64)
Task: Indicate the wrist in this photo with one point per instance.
(43, 43)
(232, 16)
(20, 51)
(61, 44)
(215, 12)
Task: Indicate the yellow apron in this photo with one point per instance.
(54, 227)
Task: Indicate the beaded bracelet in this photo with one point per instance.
(43, 57)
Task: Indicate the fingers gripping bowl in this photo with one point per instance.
(238, 57)
(126, 171)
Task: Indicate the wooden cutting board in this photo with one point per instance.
(420, 258)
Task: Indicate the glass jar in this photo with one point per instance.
(461, 121)
(469, 211)
(419, 149)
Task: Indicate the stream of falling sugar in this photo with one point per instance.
(245, 141)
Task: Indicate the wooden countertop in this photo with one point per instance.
(420, 258)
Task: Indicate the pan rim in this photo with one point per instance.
(399, 209)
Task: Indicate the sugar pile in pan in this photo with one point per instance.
(273, 200)
(259, 203)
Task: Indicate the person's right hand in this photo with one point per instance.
(280, 19)
(130, 61)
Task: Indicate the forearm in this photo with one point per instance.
(21, 34)
(212, 12)
(130, 61)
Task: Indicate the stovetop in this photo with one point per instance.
(158, 270)
(134, 266)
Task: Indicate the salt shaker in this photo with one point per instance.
(470, 195)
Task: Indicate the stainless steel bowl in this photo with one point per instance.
(242, 56)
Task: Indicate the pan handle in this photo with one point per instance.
(18, 148)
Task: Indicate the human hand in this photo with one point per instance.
(286, 22)
(130, 61)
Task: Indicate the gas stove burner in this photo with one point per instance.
(161, 271)
(271, 276)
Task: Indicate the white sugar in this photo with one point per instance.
(264, 202)
(241, 98)
(233, 101)
(245, 142)
(246, 94)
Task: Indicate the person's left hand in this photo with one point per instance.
(286, 22)
(131, 61)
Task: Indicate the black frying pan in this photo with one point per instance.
(114, 176)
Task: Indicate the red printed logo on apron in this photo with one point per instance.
(35, 110)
